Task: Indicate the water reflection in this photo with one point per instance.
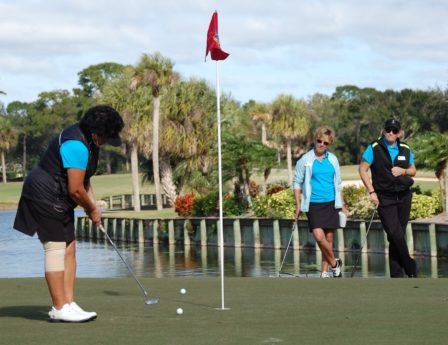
(98, 259)
(22, 256)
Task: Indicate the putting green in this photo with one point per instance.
(262, 311)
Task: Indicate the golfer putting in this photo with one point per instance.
(53, 189)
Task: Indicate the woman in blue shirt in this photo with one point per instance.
(391, 163)
(318, 191)
(51, 192)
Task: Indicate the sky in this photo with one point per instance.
(276, 47)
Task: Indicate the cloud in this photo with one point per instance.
(284, 45)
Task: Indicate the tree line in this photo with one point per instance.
(170, 131)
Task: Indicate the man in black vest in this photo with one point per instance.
(52, 190)
(392, 165)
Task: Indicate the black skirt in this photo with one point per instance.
(323, 215)
(50, 223)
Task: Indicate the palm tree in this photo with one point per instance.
(156, 72)
(134, 105)
(431, 151)
(2, 107)
(8, 137)
(261, 115)
(188, 136)
(289, 122)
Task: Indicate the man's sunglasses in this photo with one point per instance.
(326, 143)
(391, 129)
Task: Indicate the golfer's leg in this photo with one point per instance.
(404, 210)
(397, 243)
(55, 282)
(70, 270)
(54, 272)
(325, 248)
(329, 236)
(395, 268)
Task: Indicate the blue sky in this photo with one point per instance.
(285, 46)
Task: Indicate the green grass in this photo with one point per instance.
(117, 184)
(166, 213)
(10, 192)
(262, 311)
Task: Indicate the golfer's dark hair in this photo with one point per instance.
(103, 120)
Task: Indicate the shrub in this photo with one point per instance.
(352, 194)
(183, 205)
(260, 206)
(275, 188)
(232, 205)
(282, 205)
(357, 201)
(424, 206)
(206, 205)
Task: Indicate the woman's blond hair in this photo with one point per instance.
(325, 130)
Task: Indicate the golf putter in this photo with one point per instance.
(365, 241)
(148, 300)
(286, 251)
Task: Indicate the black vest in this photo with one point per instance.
(383, 180)
(51, 161)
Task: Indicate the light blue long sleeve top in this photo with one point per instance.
(302, 178)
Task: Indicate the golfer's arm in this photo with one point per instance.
(411, 171)
(297, 196)
(363, 173)
(77, 191)
(91, 194)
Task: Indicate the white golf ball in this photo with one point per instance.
(183, 291)
(179, 311)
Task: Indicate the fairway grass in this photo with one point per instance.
(262, 311)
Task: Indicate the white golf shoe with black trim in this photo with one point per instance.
(337, 269)
(67, 314)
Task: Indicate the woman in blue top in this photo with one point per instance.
(318, 191)
(52, 190)
(391, 163)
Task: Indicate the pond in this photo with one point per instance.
(22, 256)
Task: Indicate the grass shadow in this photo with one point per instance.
(30, 312)
(113, 293)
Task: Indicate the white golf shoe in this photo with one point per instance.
(326, 275)
(337, 269)
(67, 314)
(92, 315)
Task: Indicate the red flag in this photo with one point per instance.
(213, 45)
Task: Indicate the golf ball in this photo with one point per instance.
(183, 291)
(179, 311)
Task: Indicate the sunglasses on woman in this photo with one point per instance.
(391, 129)
(326, 143)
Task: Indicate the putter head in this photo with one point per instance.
(154, 300)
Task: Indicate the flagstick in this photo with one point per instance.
(221, 233)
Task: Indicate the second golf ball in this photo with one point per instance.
(179, 311)
(183, 291)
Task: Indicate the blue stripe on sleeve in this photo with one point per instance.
(368, 155)
(411, 158)
(74, 154)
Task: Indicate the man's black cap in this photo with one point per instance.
(392, 123)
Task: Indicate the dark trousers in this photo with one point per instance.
(394, 214)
